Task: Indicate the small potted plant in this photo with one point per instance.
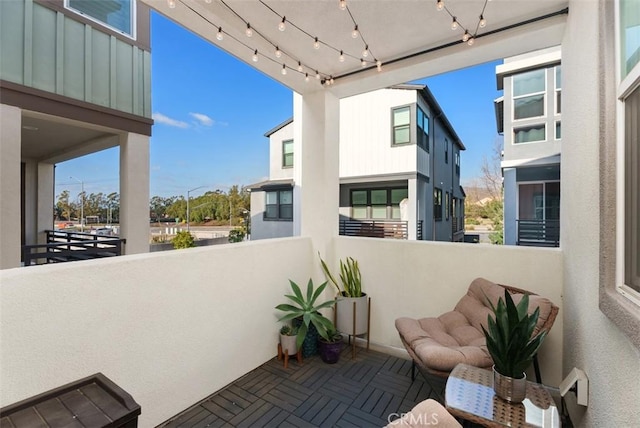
(350, 293)
(512, 346)
(288, 339)
(305, 314)
(331, 347)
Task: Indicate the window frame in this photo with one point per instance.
(529, 94)
(533, 125)
(437, 204)
(394, 126)
(389, 205)
(420, 129)
(284, 154)
(132, 16)
(556, 123)
(278, 205)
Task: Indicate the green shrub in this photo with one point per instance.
(236, 235)
(183, 239)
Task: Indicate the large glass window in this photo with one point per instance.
(558, 80)
(359, 201)
(397, 195)
(528, 94)
(287, 153)
(629, 36)
(437, 204)
(401, 125)
(116, 14)
(423, 130)
(279, 205)
(377, 204)
(529, 134)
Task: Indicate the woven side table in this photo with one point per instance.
(469, 395)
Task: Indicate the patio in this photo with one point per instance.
(366, 391)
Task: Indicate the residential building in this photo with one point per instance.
(529, 115)
(152, 322)
(399, 170)
(75, 78)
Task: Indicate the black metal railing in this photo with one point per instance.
(72, 246)
(390, 229)
(538, 233)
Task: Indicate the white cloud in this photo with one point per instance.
(165, 120)
(202, 119)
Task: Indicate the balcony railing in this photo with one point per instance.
(72, 246)
(390, 229)
(539, 233)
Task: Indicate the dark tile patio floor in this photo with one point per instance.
(363, 392)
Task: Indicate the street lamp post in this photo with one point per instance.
(189, 197)
(81, 202)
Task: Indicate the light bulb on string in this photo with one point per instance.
(454, 24)
(284, 70)
(278, 52)
(220, 35)
(282, 26)
(255, 56)
(171, 4)
(379, 65)
(471, 41)
(306, 77)
(439, 5)
(316, 44)
(317, 75)
(365, 51)
(363, 63)
(341, 57)
(466, 36)
(300, 67)
(483, 22)
(342, 4)
(355, 33)
(331, 80)
(248, 31)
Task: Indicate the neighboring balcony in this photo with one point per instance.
(538, 233)
(389, 229)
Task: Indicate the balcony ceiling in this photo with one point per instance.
(392, 29)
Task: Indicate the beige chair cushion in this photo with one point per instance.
(428, 413)
(456, 337)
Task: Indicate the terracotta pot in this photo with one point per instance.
(508, 388)
(344, 316)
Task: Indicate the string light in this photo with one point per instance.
(483, 22)
(365, 52)
(317, 75)
(306, 77)
(284, 70)
(466, 36)
(343, 4)
(439, 5)
(331, 80)
(255, 56)
(363, 63)
(454, 24)
(282, 26)
(300, 67)
(248, 31)
(341, 57)
(171, 4)
(278, 52)
(379, 65)
(355, 33)
(471, 41)
(220, 35)
(316, 44)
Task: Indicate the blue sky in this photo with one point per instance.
(211, 112)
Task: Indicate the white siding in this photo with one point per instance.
(276, 171)
(365, 134)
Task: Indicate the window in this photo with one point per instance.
(558, 90)
(119, 15)
(558, 130)
(401, 125)
(446, 151)
(423, 130)
(447, 205)
(287, 153)
(437, 204)
(457, 156)
(377, 204)
(279, 205)
(528, 94)
(529, 134)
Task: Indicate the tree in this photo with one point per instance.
(63, 206)
(183, 239)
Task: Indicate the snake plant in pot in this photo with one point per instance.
(349, 294)
(512, 346)
(305, 315)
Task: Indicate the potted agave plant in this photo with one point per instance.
(331, 347)
(348, 294)
(305, 314)
(512, 346)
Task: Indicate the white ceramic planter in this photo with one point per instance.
(288, 344)
(344, 319)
